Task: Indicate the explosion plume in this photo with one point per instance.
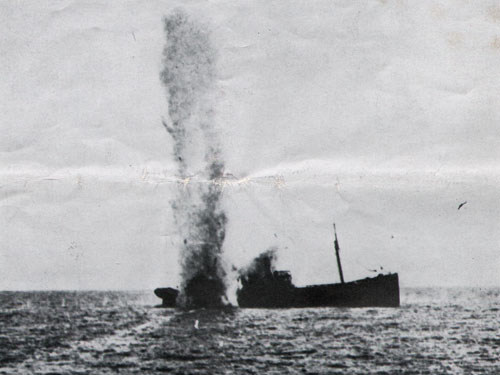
(189, 77)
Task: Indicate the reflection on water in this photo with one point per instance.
(435, 331)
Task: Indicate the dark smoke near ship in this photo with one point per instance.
(189, 76)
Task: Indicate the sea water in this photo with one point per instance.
(436, 331)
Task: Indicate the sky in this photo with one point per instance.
(380, 116)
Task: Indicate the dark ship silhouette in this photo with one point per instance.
(263, 287)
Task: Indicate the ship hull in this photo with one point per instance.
(380, 291)
(168, 296)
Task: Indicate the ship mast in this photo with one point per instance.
(337, 249)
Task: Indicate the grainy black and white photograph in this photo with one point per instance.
(249, 187)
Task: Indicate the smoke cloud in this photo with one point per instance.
(189, 77)
(261, 267)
